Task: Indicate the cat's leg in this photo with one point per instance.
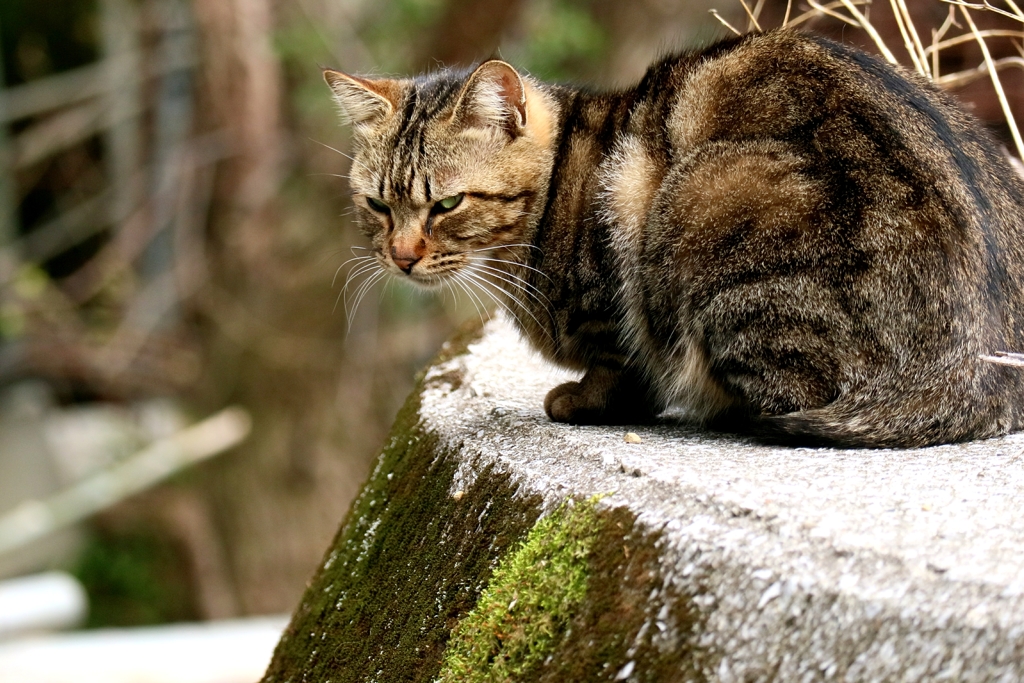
(604, 396)
(738, 255)
(780, 364)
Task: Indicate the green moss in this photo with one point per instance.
(528, 603)
(617, 623)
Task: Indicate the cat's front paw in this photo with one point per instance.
(568, 403)
(603, 397)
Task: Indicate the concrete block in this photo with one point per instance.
(707, 556)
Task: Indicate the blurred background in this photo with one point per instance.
(173, 220)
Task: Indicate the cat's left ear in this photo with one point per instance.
(364, 101)
(494, 96)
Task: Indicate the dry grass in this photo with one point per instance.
(924, 59)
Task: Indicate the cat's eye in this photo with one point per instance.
(377, 205)
(448, 203)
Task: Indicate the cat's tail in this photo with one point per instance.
(821, 428)
(871, 425)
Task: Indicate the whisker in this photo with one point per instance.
(455, 294)
(544, 303)
(471, 286)
(477, 277)
(358, 270)
(348, 279)
(350, 158)
(387, 288)
(524, 285)
(364, 287)
(361, 293)
(495, 298)
(505, 246)
(348, 261)
(493, 259)
(328, 254)
(477, 304)
(353, 274)
(471, 293)
(332, 175)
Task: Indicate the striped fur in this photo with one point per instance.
(784, 235)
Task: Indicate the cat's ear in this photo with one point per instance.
(364, 101)
(494, 96)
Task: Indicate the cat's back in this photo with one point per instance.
(845, 240)
(808, 90)
(892, 149)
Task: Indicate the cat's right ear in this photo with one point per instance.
(364, 102)
(493, 96)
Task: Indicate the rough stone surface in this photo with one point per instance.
(773, 563)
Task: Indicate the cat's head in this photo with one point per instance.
(448, 168)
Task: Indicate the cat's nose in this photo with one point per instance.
(404, 260)
(405, 264)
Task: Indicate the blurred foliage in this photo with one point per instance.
(553, 39)
(134, 577)
(561, 39)
(40, 38)
(394, 31)
(300, 46)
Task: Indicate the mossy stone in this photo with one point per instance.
(425, 583)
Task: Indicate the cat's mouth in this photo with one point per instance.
(425, 275)
(426, 280)
(431, 271)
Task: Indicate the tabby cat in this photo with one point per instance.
(784, 235)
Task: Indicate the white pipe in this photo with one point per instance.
(235, 651)
(41, 602)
